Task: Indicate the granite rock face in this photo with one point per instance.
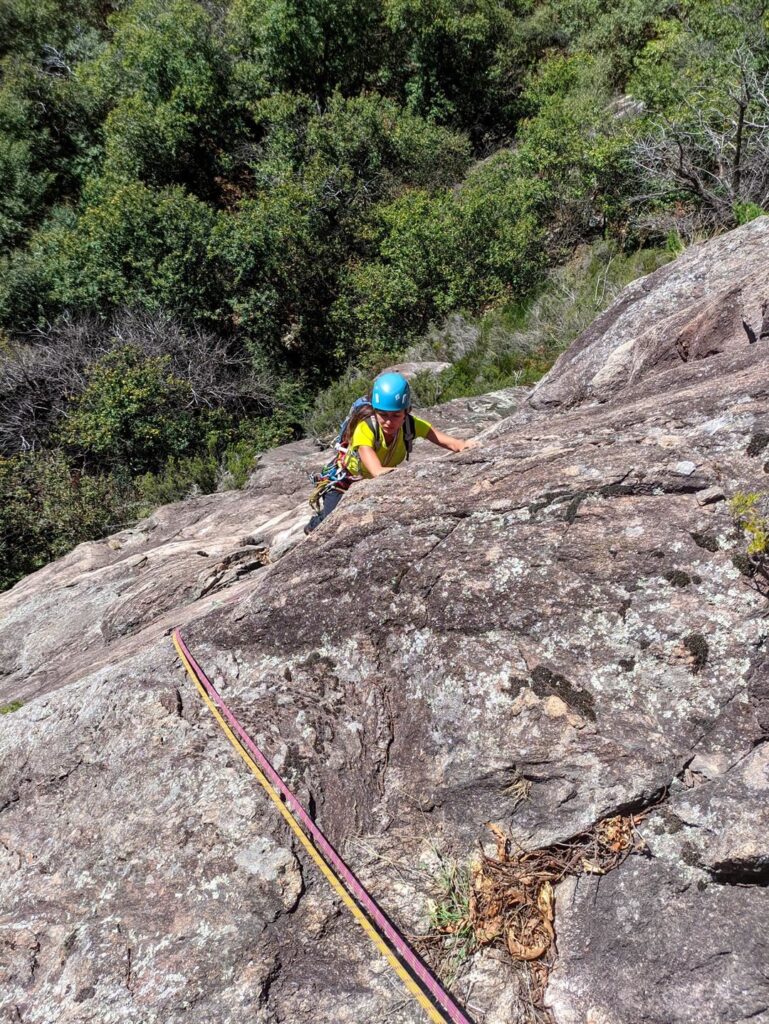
(120, 593)
(711, 299)
(569, 602)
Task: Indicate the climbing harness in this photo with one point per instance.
(336, 475)
(428, 992)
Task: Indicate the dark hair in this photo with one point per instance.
(363, 412)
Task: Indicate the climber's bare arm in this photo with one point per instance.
(370, 460)
(454, 444)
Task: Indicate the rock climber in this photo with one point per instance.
(375, 438)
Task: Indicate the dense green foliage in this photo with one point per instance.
(45, 509)
(510, 345)
(318, 184)
(131, 412)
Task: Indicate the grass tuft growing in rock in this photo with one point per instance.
(748, 515)
(750, 518)
(449, 918)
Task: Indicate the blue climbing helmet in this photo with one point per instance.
(391, 393)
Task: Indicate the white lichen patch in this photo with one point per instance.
(267, 861)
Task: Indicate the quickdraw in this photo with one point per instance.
(334, 475)
(428, 992)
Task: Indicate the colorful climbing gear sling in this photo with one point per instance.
(423, 986)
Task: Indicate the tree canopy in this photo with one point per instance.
(318, 183)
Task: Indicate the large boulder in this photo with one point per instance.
(569, 605)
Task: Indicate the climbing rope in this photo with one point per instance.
(440, 1008)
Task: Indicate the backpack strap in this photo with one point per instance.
(409, 433)
(344, 425)
(373, 424)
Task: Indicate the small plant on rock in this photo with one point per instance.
(450, 917)
(750, 519)
(746, 510)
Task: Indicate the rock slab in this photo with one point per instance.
(570, 602)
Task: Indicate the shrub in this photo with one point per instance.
(275, 258)
(517, 343)
(333, 403)
(163, 50)
(154, 144)
(133, 412)
(320, 177)
(289, 45)
(137, 247)
(448, 60)
(26, 180)
(435, 253)
(46, 509)
(388, 300)
(48, 137)
(25, 289)
(239, 458)
(178, 478)
(27, 26)
(746, 212)
(380, 146)
(618, 31)
(40, 377)
(575, 151)
(500, 241)
(705, 81)
(161, 87)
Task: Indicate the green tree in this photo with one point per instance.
(133, 413)
(45, 146)
(705, 80)
(26, 180)
(46, 508)
(163, 50)
(574, 150)
(156, 144)
(275, 269)
(30, 28)
(448, 61)
(306, 46)
(133, 246)
(47, 133)
(379, 147)
(161, 88)
(615, 32)
(321, 177)
(434, 253)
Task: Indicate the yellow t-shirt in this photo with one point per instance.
(388, 456)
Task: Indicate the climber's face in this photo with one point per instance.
(391, 422)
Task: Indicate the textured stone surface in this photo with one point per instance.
(688, 310)
(564, 602)
(409, 369)
(674, 949)
(122, 592)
